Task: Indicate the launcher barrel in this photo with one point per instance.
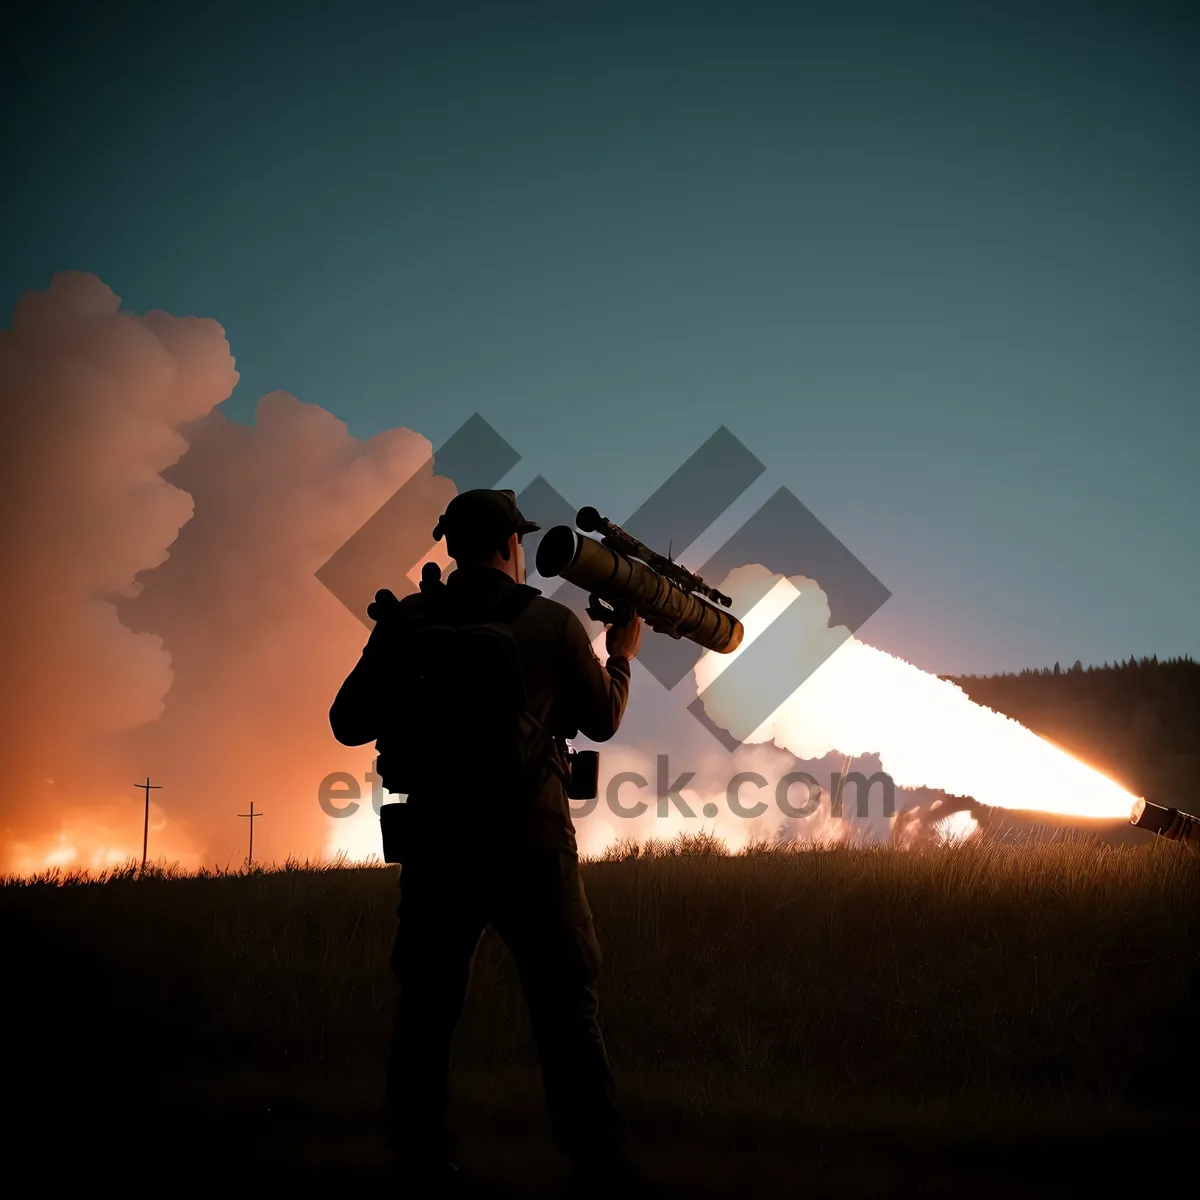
(604, 572)
(1170, 823)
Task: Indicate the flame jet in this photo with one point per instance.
(858, 700)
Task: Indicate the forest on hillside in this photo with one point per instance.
(1138, 721)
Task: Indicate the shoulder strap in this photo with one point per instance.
(514, 602)
(547, 758)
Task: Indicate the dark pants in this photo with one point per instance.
(535, 901)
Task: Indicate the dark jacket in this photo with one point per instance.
(568, 689)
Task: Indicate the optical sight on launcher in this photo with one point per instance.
(624, 577)
(1171, 823)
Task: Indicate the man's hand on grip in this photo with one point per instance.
(624, 640)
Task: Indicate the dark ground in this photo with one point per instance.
(969, 1021)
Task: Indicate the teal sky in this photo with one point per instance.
(935, 263)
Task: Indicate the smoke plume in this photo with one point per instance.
(161, 615)
(93, 404)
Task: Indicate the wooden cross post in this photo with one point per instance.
(252, 815)
(146, 827)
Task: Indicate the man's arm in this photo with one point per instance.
(596, 695)
(354, 715)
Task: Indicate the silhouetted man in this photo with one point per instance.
(511, 863)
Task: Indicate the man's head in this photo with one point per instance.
(485, 528)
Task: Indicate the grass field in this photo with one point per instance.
(970, 1020)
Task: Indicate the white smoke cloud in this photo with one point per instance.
(161, 614)
(712, 771)
(260, 645)
(92, 404)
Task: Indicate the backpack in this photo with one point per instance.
(459, 734)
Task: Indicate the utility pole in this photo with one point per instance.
(253, 816)
(146, 826)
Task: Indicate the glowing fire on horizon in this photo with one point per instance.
(959, 826)
(98, 840)
(925, 730)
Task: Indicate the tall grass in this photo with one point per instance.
(988, 978)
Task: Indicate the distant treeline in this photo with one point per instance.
(1138, 721)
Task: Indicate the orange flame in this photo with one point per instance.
(925, 730)
(94, 840)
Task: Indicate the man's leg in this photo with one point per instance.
(543, 916)
(439, 928)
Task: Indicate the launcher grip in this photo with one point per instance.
(618, 614)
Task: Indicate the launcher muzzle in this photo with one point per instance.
(1170, 823)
